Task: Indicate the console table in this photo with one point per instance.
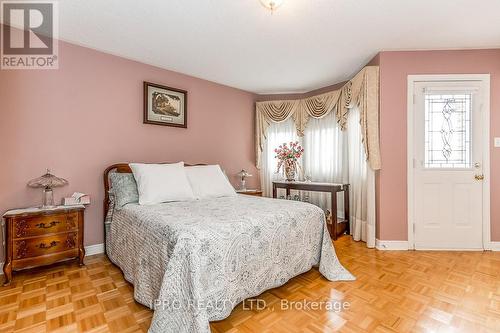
(338, 227)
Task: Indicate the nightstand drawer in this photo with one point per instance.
(42, 225)
(40, 246)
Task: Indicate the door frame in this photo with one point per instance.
(484, 80)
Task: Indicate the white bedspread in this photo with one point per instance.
(194, 261)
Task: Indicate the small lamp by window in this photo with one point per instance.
(243, 174)
(48, 181)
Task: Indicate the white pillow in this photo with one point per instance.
(208, 181)
(157, 183)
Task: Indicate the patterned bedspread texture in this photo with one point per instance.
(193, 262)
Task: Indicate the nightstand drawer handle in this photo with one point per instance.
(46, 247)
(44, 226)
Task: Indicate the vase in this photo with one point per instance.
(290, 170)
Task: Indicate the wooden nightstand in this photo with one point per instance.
(257, 193)
(37, 237)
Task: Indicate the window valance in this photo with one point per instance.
(362, 91)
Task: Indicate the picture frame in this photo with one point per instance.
(164, 105)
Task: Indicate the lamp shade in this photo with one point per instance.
(48, 180)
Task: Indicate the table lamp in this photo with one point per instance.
(243, 174)
(48, 181)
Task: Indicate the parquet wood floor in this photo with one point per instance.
(394, 292)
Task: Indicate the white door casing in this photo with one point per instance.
(448, 146)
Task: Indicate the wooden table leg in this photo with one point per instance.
(274, 191)
(7, 267)
(287, 192)
(7, 270)
(334, 215)
(347, 214)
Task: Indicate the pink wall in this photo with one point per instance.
(394, 68)
(88, 115)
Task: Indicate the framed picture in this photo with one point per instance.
(164, 105)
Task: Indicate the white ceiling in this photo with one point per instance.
(305, 44)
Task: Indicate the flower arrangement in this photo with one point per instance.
(287, 155)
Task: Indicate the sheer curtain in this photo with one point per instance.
(325, 157)
(362, 184)
(277, 134)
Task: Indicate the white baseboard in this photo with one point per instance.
(403, 246)
(89, 251)
(495, 246)
(391, 245)
(94, 249)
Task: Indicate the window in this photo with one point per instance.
(324, 159)
(448, 130)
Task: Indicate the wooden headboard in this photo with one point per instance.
(119, 168)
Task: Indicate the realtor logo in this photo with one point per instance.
(29, 35)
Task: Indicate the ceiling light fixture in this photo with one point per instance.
(272, 5)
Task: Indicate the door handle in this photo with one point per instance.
(479, 177)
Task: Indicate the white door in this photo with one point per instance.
(448, 165)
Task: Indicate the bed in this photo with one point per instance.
(193, 262)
